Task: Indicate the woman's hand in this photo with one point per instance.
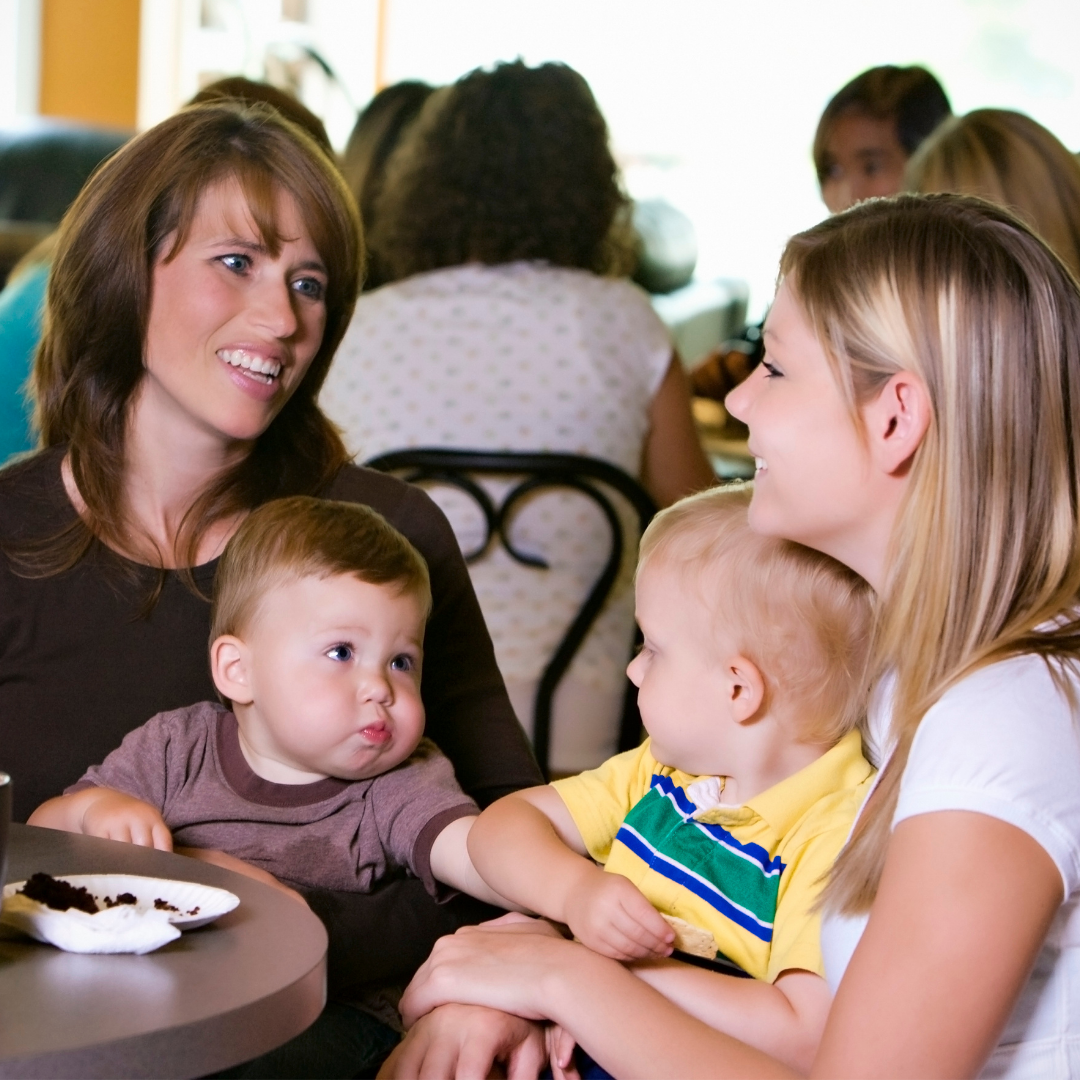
(468, 1041)
(503, 964)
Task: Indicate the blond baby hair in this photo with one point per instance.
(301, 536)
(803, 618)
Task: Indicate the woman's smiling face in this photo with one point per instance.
(233, 328)
(814, 478)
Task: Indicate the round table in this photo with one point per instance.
(211, 999)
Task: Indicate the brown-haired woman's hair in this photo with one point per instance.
(378, 131)
(908, 96)
(238, 88)
(1008, 158)
(506, 164)
(301, 537)
(137, 209)
(984, 559)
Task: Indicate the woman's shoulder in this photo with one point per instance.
(408, 508)
(32, 495)
(1005, 741)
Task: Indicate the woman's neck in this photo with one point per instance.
(169, 465)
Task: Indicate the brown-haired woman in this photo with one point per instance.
(869, 129)
(505, 328)
(202, 281)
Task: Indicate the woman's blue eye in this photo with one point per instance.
(237, 263)
(340, 652)
(312, 288)
(771, 371)
(402, 663)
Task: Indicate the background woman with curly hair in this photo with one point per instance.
(503, 225)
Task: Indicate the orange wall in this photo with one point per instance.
(90, 60)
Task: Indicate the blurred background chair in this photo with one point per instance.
(529, 474)
(43, 165)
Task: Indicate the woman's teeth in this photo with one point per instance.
(266, 371)
(759, 464)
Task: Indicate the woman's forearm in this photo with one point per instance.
(632, 1030)
(784, 1018)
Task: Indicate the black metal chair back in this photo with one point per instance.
(456, 468)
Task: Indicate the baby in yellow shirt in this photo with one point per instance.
(751, 684)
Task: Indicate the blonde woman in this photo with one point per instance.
(1008, 158)
(917, 416)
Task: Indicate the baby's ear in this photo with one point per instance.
(746, 687)
(228, 666)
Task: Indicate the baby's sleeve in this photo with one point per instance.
(412, 804)
(139, 766)
(599, 799)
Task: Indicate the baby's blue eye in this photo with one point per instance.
(402, 662)
(340, 653)
(771, 370)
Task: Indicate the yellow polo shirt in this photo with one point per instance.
(748, 874)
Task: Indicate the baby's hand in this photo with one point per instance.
(116, 816)
(612, 916)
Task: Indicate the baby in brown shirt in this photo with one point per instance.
(317, 630)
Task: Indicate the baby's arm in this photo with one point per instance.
(786, 1017)
(450, 864)
(528, 847)
(100, 811)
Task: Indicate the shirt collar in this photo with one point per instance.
(783, 804)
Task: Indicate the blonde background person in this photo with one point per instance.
(1008, 158)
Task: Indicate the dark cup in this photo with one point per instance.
(5, 821)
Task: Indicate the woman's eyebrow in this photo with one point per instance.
(240, 242)
(259, 248)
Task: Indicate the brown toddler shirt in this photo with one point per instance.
(331, 834)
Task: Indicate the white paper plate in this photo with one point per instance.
(162, 909)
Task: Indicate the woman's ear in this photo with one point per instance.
(896, 421)
(228, 666)
(746, 688)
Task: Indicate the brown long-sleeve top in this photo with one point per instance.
(79, 669)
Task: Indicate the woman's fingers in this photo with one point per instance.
(483, 967)
(465, 1041)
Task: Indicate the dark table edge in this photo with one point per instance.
(191, 1050)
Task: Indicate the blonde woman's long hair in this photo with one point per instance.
(1008, 158)
(984, 560)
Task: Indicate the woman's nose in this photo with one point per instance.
(738, 400)
(274, 310)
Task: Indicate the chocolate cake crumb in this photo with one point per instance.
(164, 905)
(122, 898)
(194, 911)
(59, 895)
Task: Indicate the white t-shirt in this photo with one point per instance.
(522, 356)
(1003, 742)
